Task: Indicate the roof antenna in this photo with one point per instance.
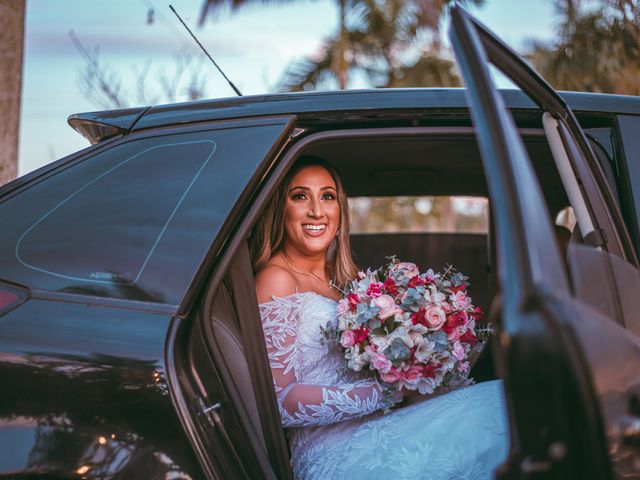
(205, 51)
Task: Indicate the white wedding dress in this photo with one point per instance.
(334, 421)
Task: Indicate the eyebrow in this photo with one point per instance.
(307, 188)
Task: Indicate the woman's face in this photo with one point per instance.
(312, 212)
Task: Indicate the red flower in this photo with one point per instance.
(430, 370)
(419, 317)
(390, 286)
(469, 337)
(353, 301)
(374, 290)
(458, 288)
(454, 320)
(477, 314)
(415, 281)
(360, 333)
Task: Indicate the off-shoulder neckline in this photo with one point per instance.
(295, 294)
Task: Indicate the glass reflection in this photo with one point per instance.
(95, 417)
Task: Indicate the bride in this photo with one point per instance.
(334, 420)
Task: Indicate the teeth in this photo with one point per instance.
(314, 227)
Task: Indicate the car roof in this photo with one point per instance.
(343, 101)
(351, 100)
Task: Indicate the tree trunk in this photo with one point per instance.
(341, 62)
(11, 52)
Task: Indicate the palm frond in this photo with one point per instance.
(308, 73)
(209, 7)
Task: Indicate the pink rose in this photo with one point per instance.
(410, 269)
(392, 376)
(412, 375)
(458, 351)
(374, 290)
(435, 317)
(378, 360)
(348, 339)
(387, 306)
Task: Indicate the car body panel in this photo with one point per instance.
(87, 386)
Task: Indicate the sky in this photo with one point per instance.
(254, 45)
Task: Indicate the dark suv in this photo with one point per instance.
(130, 339)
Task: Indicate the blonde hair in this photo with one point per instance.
(268, 234)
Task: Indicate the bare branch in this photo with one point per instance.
(100, 84)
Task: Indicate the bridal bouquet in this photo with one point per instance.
(415, 330)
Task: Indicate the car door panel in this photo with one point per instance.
(535, 305)
(220, 381)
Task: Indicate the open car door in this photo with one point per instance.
(568, 344)
(220, 377)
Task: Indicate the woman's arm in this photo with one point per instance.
(304, 404)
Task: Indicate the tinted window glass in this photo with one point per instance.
(134, 221)
(129, 213)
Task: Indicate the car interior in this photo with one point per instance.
(379, 163)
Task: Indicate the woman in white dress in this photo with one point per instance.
(334, 420)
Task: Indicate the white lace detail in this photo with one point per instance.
(305, 371)
(459, 435)
(280, 323)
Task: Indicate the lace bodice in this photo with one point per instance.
(309, 387)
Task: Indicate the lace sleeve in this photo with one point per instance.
(305, 404)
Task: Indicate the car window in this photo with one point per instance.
(419, 213)
(127, 197)
(134, 221)
(628, 155)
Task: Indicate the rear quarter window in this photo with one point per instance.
(134, 221)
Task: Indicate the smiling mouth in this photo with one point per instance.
(314, 228)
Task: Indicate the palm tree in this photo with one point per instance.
(376, 39)
(598, 48)
(11, 39)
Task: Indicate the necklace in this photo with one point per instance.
(309, 274)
